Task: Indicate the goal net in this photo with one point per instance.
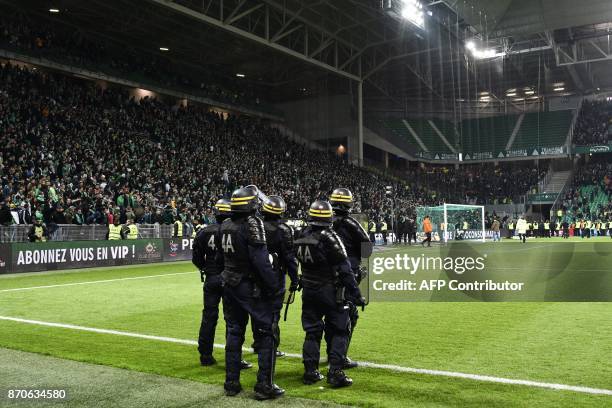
(453, 222)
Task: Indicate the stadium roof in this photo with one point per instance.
(291, 48)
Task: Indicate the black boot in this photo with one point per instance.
(280, 353)
(337, 378)
(232, 388)
(311, 377)
(264, 391)
(207, 360)
(245, 365)
(348, 364)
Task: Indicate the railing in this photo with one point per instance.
(559, 200)
(544, 182)
(570, 134)
(67, 232)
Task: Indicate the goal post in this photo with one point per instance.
(454, 221)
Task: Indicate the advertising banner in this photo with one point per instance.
(43, 256)
(515, 153)
(177, 249)
(593, 149)
(542, 198)
(5, 258)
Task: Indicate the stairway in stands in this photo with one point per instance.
(557, 181)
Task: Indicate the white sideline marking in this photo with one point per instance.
(92, 282)
(440, 373)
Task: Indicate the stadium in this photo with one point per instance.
(372, 203)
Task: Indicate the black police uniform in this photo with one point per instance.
(204, 254)
(250, 285)
(411, 231)
(401, 229)
(279, 240)
(326, 275)
(353, 237)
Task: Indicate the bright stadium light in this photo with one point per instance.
(53, 10)
(559, 89)
(484, 53)
(164, 49)
(530, 92)
(412, 10)
(240, 75)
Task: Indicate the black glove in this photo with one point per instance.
(360, 301)
(362, 274)
(296, 286)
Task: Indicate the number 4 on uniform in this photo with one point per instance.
(211, 242)
(304, 255)
(226, 243)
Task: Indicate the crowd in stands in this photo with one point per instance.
(484, 183)
(70, 46)
(590, 197)
(594, 125)
(76, 153)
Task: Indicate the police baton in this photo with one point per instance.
(290, 300)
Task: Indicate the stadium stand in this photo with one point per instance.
(72, 146)
(482, 183)
(543, 129)
(61, 44)
(398, 128)
(75, 153)
(590, 196)
(487, 134)
(594, 123)
(430, 137)
(490, 134)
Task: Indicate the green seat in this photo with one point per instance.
(543, 129)
(486, 134)
(430, 137)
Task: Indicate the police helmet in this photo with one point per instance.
(320, 214)
(222, 208)
(274, 205)
(244, 200)
(341, 199)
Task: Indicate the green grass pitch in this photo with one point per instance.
(553, 342)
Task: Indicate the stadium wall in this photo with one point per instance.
(54, 255)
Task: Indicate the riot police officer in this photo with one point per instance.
(250, 286)
(279, 240)
(327, 282)
(204, 258)
(411, 230)
(355, 239)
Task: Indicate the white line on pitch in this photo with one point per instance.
(396, 368)
(93, 282)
